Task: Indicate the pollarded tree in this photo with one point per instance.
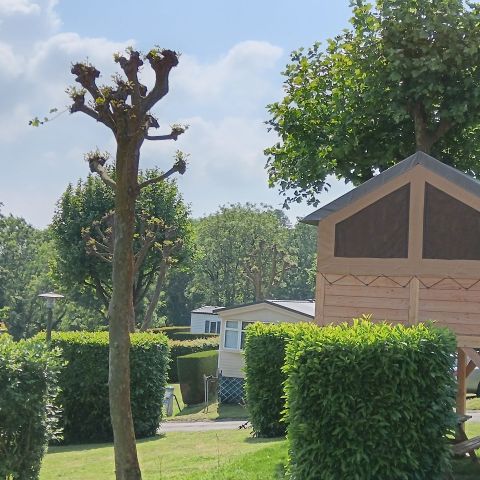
(84, 232)
(124, 109)
(405, 77)
(242, 254)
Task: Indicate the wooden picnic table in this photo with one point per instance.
(462, 444)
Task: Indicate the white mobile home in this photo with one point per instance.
(205, 320)
(234, 321)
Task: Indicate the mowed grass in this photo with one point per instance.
(222, 455)
(226, 454)
(473, 404)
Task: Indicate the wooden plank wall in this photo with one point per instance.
(349, 297)
(450, 305)
(402, 300)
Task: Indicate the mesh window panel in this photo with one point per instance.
(451, 229)
(378, 231)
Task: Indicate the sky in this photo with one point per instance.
(232, 56)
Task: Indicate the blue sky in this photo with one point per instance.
(232, 56)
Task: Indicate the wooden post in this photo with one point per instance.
(320, 300)
(413, 302)
(461, 382)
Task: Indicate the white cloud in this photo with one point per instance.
(24, 7)
(222, 100)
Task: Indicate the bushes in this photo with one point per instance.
(192, 336)
(28, 373)
(84, 384)
(180, 348)
(170, 331)
(371, 401)
(191, 369)
(264, 358)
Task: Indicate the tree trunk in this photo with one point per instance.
(423, 138)
(121, 314)
(156, 295)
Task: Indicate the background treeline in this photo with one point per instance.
(241, 253)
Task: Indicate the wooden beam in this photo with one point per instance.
(320, 300)
(470, 368)
(461, 382)
(472, 355)
(414, 301)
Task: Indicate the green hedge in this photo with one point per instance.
(191, 369)
(192, 336)
(370, 401)
(170, 331)
(264, 358)
(28, 385)
(180, 348)
(84, 384)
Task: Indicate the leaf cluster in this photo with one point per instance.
(370, 401)
(84, 384)
(28, 420)
(265, 348)
(404, 77)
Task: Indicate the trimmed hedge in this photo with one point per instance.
(84, 384)
(170, 331)
(28, 385)
(264, 358)
(191, 369)
(192, 336)
(180, 348)
(370, 401)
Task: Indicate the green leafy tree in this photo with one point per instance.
(27, 263)
(21, 267)
(404, 77)
(299, 281)
(84, 231)
(242, 254)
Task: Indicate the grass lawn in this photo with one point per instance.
(231, 454)
(222, 455)
(197, 413)
(473, 404)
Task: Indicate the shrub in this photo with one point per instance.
(370, 401)
(28, 385)
(170, 331)
(264, 358)
(191, 369)
(180, 348)
(84, 384)
(192, 336)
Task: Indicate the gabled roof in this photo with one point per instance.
(451, 174)
(207, 309)
(303, 307)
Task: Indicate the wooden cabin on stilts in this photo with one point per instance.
(405, 247)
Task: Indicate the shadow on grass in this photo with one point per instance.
(85, 447)
(262, 440)
(465, 469)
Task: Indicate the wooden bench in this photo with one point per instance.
(466, 446)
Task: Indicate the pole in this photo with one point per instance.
(49, 324)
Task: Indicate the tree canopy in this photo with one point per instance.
(404, 77)
(247, 253)
(84, 234)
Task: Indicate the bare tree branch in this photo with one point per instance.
(162, 62)
(96, 161)
(86, 76)
(177, 130)
(179, 166)
(78, 105)
(131, 67)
